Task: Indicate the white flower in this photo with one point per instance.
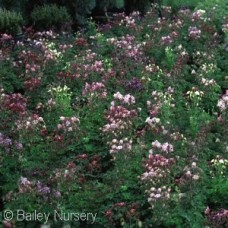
(41, 119)
(118, 95)
(70, 129)
(195, 177)
(193, 165)
(157, 196)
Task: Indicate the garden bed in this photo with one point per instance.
(122, 125)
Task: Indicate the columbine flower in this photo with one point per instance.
(194, 32)
(223, 102)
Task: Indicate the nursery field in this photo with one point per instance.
(122, 124)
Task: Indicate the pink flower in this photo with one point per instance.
(156, 144)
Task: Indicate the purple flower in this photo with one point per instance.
(5, 142)
(57, 194)
(18, 146)
(166, 40)
(135, 84)
(44, 190)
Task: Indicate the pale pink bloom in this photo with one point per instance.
(70, 129)
(68, 123)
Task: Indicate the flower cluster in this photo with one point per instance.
(31, 68)
(14, 102)
(153, 121)
(160, 99)
(165, 147)
(194, 32)
(198, 14)
(157, 173)
(208, 82)
(7, 143)
(158, 195)
(46, 34)
(223, 102)
(33, 76)
(127, 99)
(195, 95)
(89, 56)
(157, 168)
(97, 67)
(122, 145)
(96, 89)
(61, 95)
(134, 84)
(33, 83)
(68, 124)
(207, 68)
(166, 40)
(36, 187)
(190, 173)
(51, 103)
(5, 37)
(50, 52)
(119, 119)
(202, 58)
(225, 28)
(219, 165)
(177, 136)
(127, 45)
(87, 64)
(65, 47)
(130, 21)
(152, 68)
(32, 122)
(217, 218)
(42, 189)
(25, 185)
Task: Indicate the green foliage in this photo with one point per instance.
(48, 16)
(10, 21)
(80, 9)
(177, 4)
(10, 80)
(13, 5)
(18, 6)
(137, 5)
(216, 10)
(109, 4)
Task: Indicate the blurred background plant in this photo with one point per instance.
(50, 16)
(10, 21)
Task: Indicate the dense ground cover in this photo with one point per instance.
(128, 120)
